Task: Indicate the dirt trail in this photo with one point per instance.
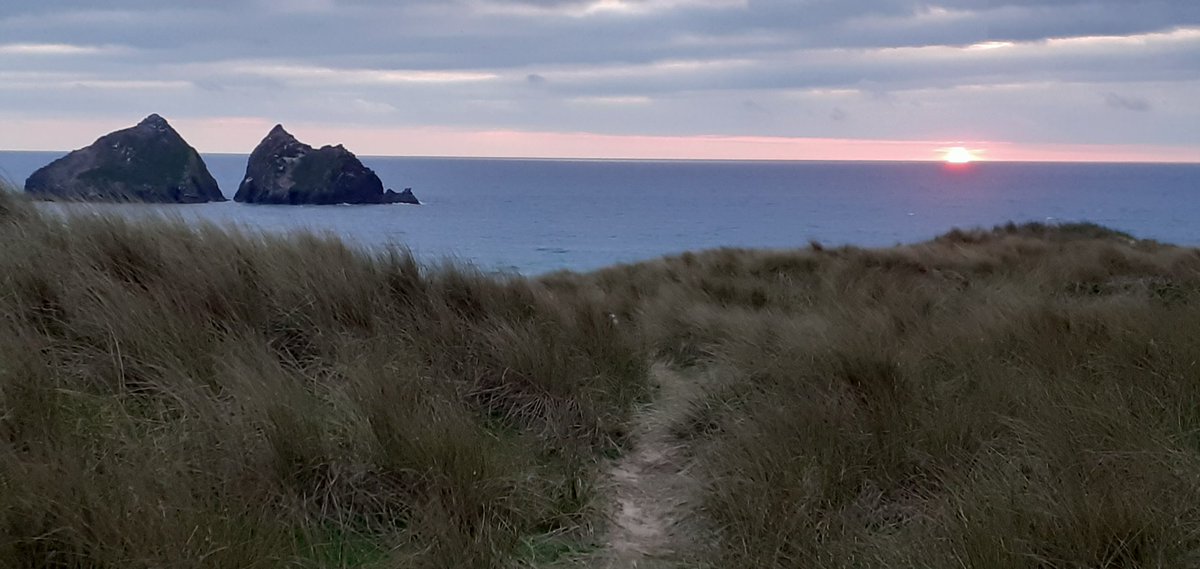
(653, 494)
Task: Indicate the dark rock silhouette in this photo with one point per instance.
(403, 197)
(283, 170)
(149, 162)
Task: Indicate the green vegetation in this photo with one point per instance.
(191, 396)
(1022, 397)
(194, 397)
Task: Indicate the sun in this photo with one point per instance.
(958, 155)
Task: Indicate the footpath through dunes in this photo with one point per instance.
(651, 492)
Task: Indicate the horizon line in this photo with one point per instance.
(700, 159)
(237, 135)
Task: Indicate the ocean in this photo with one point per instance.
(537, 216)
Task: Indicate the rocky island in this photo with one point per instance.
(283, 170)
(149, 162)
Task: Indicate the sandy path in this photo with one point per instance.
(653, 494)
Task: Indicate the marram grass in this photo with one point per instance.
(180, 395)
(1025, 397)
(175, 396)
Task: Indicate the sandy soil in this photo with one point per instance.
(652, 491)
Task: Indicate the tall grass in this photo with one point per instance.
(1022, 397)
(188, 396)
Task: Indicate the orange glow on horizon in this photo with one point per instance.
(240, 134)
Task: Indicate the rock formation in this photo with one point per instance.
(146, 163)
(403, 197)
(283, 170)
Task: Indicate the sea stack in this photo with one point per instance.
(283, 170)
(403, 197)
(149, 162)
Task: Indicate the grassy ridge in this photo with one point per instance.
(194, 397)
(1023, 397)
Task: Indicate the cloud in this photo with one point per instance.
(596, 8)
(752, 106)
(372, 107)
(1126, 103)
(299, 6)
(317, 75)
(613, 101)
(35, 81)
(52, 49)
(901, 68)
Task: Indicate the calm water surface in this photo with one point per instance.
(534, 216)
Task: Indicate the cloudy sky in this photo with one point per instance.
(796, 79)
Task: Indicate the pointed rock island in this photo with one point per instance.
(149, 162)
(283, 170)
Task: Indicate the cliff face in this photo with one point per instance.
(149, 162)
(283, 170)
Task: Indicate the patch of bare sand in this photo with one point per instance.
(652, 492)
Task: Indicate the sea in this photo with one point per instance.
(537, 216)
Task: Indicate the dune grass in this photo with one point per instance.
(189, 396)
(1022, 397)
(175, 396)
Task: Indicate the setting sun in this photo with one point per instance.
(958, 155)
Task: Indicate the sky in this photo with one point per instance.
(1101, 80)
